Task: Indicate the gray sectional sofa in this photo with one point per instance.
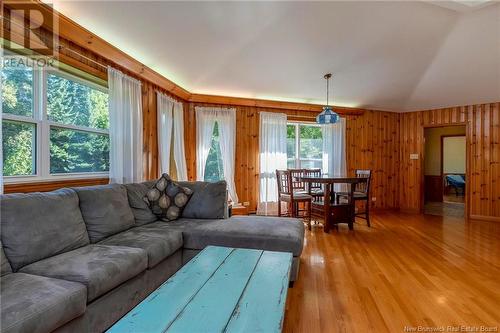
(77, 260)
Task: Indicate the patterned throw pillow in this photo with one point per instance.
(167, 199)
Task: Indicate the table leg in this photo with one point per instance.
(326, 202)
(352, 210)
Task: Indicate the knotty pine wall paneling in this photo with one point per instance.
(372, 141)
(483, 151)
(85, 59)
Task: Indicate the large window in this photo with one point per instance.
(55, 125)
(213, 169)
(304, 146)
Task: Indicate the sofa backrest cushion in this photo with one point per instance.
(40, 225)
(105, 210)
(209, 200)
(5, 265)
(142, 213)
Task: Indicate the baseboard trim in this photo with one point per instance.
(485, 218)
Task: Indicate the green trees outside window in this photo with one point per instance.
(17, 91)
(19, 138)
(52, 123)
(18, 148)
(213, 169)
(304, 146)
(73, 103)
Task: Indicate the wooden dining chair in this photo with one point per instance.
(298, 185)
(293, 199)
(314, 189)
(361, 193)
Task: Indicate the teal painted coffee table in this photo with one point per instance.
(220, 290)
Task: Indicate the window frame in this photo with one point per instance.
(42, 128)
(298, 159)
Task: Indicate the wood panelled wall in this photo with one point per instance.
(88, 61)
(483, 150)
(380, 141)
(372, 142)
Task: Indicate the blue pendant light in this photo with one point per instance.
(327, 116)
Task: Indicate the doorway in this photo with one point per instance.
(445, 163)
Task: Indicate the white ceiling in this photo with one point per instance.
(396, 56)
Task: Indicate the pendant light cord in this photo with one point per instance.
(327, 90)
(327, 77)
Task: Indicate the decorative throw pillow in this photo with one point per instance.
(167, 199)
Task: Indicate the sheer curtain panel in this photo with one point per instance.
(125, 128)
(179, 148)
(206, 117)
(272, 156)
(227, 132)
(171, 123)
(164, 105)
(205, 122)
(334, 156)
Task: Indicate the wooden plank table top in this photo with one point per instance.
(220, 290)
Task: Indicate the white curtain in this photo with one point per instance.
(206, 117)
(205, 122)
(334, 156)
(179, 149)
(227, 133)
(272, 155)
(125, 128)
(171, 121)
(164, 108)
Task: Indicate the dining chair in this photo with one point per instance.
(297, 184)
(293, 199)
(361, 193)
(314, 189)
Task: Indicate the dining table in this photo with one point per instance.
(328, 183)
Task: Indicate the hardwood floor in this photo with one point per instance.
(452, 209)
(406, 270)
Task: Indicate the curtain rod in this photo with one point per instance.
(306, 117)
(59, 47)
(169, 95)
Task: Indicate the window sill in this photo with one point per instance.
(44, 185)
(53, 178)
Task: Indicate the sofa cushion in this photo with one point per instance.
(33, 303)
(40, 225)
(99, 267)
(255, 232)
(159, 243)
(5, 265)
(105, 210)
(142, 213)
(209, 200)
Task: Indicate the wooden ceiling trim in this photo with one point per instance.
(72, 31)
(80, 36)
(262, 103)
